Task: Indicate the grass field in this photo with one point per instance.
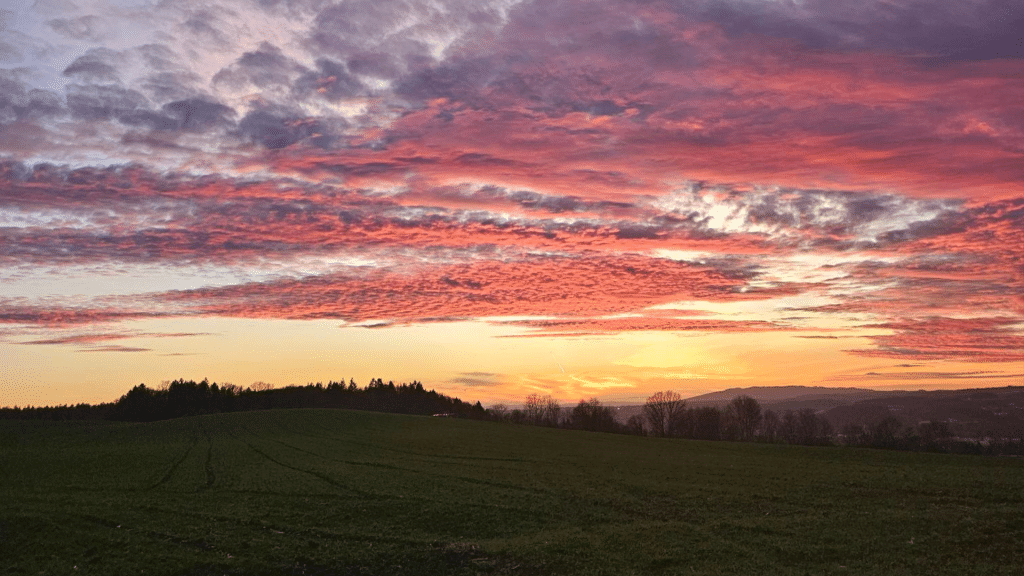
(338, 492)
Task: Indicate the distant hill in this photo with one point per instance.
(777, 398)
(971, 413)
(816, 397)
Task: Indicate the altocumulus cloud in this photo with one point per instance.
(412, 162)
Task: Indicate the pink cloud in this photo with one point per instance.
(584, 285)
(992, 339)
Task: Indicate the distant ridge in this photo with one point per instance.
(779, 394)
(778, 398)
(970, 412)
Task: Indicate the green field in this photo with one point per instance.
(339, 492)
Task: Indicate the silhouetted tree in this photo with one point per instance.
(542, 410)
(635, 425)
(661, 410)
(770, 426)
(590, 415)
(854, 435)
(745, 413)
(552, 412)
(886, 433)
(934, 435)
(517, 416)
(498, 412)
(707, 423)
(533, 410)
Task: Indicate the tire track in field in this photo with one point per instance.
(315, 474)
(174, 467)
(289, 529)
(415, 471)
(188, 543)
(208, 466)
(422, 455)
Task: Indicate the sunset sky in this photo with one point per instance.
(498, 198)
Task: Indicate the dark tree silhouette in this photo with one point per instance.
(770, 426)
(745, 412)
(707, 423)
(590, 415)
(661, 410)
(635, 425)
(186, 398)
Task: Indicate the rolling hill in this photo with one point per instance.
(341, 492)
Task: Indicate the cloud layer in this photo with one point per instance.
(765, 166)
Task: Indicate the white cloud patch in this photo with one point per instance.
(800, 215)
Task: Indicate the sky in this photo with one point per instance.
(501, 198)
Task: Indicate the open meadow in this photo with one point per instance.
(343, 492)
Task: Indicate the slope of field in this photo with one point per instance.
(339, 492)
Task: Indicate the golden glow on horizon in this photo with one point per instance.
(471, 360)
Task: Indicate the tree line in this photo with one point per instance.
(190, 398)
(666, 415)
(890, 434)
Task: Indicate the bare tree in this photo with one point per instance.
(810, 429)
(533, 410)
(260, 386)
(542, 410)
(788, 430)
(591, 415)
(552, 411)
(635, 424)
(663, 409)
(771, 427)
(707, 423)
(746, 412)
(498, 411)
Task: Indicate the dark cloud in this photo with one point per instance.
(197, 114)
(96, 65)
(376, 64)
(205, 26)
(92, 102)
(170, 86)
(19, 102)
(278, 128)
(264, 67)
(82, 28)
(344, 27)
(476, 379)
(158, 57)
(8, 53)
(330, 81)
(129, 107)
(968, 30)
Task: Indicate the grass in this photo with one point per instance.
(339, 492)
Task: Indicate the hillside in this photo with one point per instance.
(341, 492)
(777, 398)
(973, 413)
(970, 413)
